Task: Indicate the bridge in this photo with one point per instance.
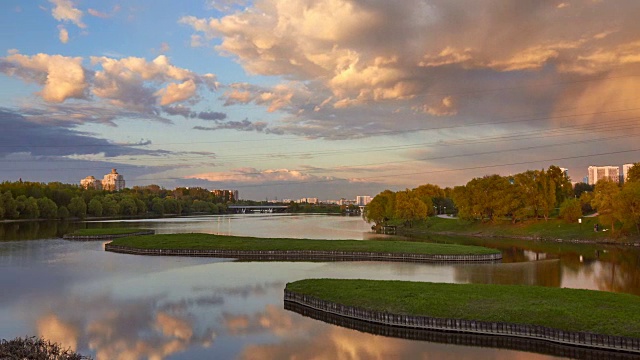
(243, 209)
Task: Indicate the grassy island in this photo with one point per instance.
(564, 309)
(239, 243)
(103, 232)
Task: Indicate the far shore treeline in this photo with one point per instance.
(31, 200)
(531, 195)
(55, 200)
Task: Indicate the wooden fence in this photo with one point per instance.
(610, 342)
(305, 254)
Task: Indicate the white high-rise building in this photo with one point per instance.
(625, 171)
(91, 183)
(597, 173)
(363, 200)
(113, 181)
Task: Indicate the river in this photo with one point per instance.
(116, 306)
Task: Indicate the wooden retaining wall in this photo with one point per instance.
(609, 342)
(462, 338)
(106, 237)
(305, 254)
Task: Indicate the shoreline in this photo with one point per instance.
(106, 236)
(535, 332)
(416, 234)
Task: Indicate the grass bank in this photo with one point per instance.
(239, 243)
(102, 232)
(553, 229)
(565, 309)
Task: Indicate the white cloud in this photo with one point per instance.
(63, 77)
(64, 35)
(65, 11)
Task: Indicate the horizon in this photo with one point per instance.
(318, 99)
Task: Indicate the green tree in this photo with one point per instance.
(27, 207)
(9, 205)
(77, 207)
(172, 206)
(571, 210)
(141, 207)
(127, 206)
(48, 208)
(110, 206)
(628, 205)
(604, 199)
(634, 173)
(381, 208)
(409, 208)
(157, 206)
(95, 207)
(63, 213)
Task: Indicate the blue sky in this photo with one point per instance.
(323, 98)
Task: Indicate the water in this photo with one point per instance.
(116, 306)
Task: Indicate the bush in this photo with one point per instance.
(35, 349)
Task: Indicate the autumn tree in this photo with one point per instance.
(409, 207)
(634, 173)
(571, 210)
(604, 201)
(628, 205)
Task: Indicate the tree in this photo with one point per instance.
(110, 206)
(634, 173)
(127, 206)
(381, 208)
(571, 210)
(95, 207)
(63, 213)
(48, 208)
(77, 207)
(581, 188)
(157, 206)
(628, 205)
(9, 205)
(604, 197)
(409, 208)
(27, 207)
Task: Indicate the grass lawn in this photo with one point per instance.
(565, 309)
(99, 232)
(222, 242)
(551, 229)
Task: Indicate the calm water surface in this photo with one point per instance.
(116, 306)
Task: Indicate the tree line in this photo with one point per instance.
(533, 194)
(32, 200)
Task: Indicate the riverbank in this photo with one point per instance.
(106, 234)
(580, 317)
(238, 246)
(552, 230)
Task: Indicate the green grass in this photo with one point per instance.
(99, 232)
(565, 309)
(551, 229)
(221, 242)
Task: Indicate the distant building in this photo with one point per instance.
(363, 200)
(226, 195)
(113, 181)
(597, 173)
(308, 201)
(625, 171)
(91, 183)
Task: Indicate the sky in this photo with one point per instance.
(283, 99)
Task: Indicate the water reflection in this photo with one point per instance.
(115, 306)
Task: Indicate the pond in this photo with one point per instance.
(114, 306)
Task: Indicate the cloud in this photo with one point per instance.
(62, 77)
(104, 15)
(132, 82)
(64, 35)
(211, 115)
(54, 139)
(65, 11)
(181, 110)
(244, 125)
